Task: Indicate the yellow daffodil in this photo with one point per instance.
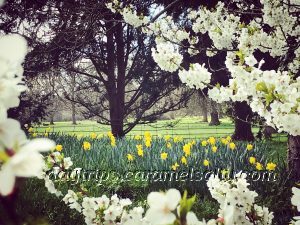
(34, 135)
(252, 160)
(86, 145)
(167, 137)
(211, 140)
(259, 166)
(204, 143)
(140, 150)
(109, 134)
(228, 138)
(224, 141)
(130, 157)
(137, 137)
(148, 143)
(249, 147)
(177, 139)
(187, 149)
(175, 166)
(184, 160)
(214, 149)
(93, 135)
(112, 141)
(46, 135)
(271, 166)
(148, 139)
(59, 148)
(206, 162)
(169, 145)
(232, 146)
(164, 155)
(48, 129)
(147, 134)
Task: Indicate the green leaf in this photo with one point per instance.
(186, 204)
(241, 56)
(261, 86)
(269, 98)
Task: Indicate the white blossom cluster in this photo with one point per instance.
(49, 184)
(274, 95)
(129, 14)
(104, 210)
(219, 28)
(197, 76)
(57, 161)
(166, 30)
(19, 157)
(163, 209)
(167, 57)
(71, 199)
(237, 202)
(237, 206)
(56, 164)
(279, 102)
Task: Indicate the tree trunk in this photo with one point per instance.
(116, 79)
(204, 110)
(294, 157)
(214, 121)
(203, 103)
(243, 119)
(73, 113)
(116, 118)
(205, 118)
(73, 108)
(52, 120)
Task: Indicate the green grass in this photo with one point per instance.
(188, 127)
(35, 202)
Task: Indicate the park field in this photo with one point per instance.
(188, 128)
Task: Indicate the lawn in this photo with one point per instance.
(188, 127)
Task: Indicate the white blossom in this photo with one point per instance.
(167, 57)
(197, 76)
(162, 206)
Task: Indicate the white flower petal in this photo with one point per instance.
(27, 164)
(173, 198)
(39, 145)
(158, 217)
(156, 200)
(7, 180)
(11, 133)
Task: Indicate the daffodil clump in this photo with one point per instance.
(112, 139)
(167, 152)
(270, 166)
(145, 152)
(147, 139)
